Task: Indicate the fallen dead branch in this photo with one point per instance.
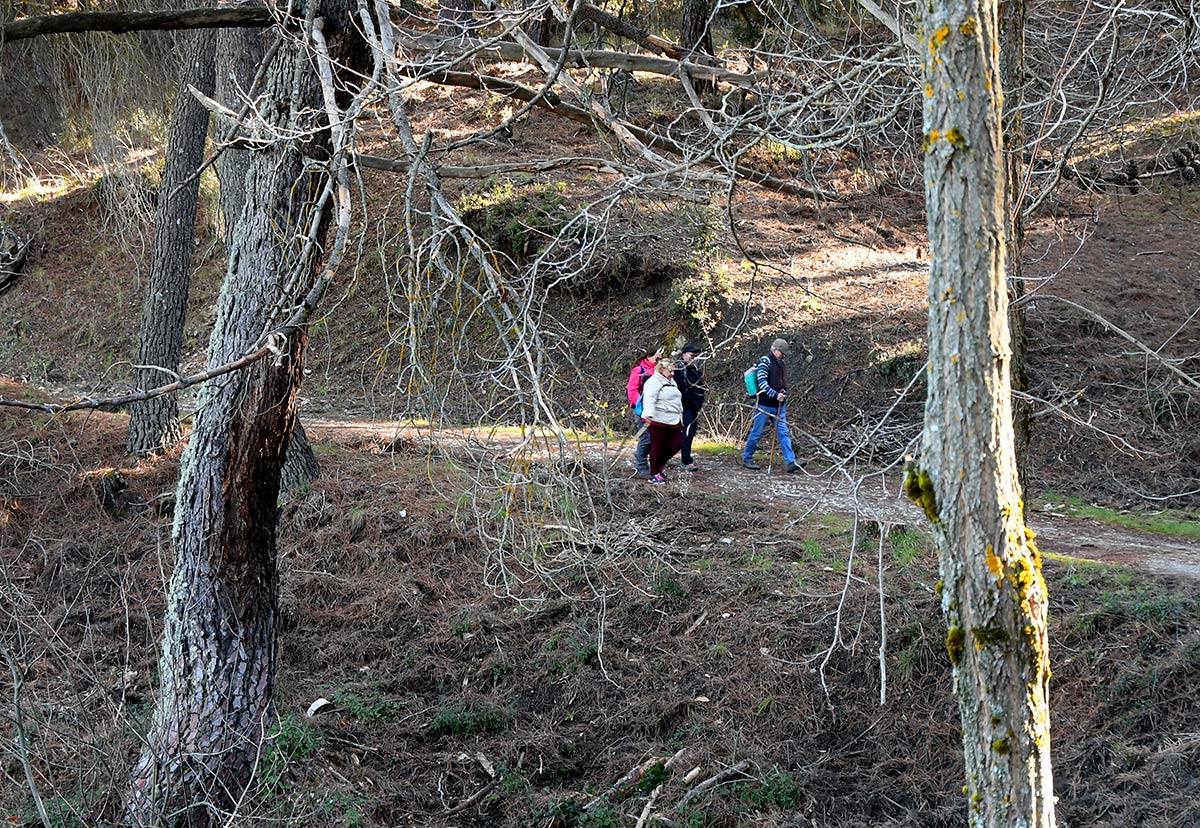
(716, 779)
(653, 140)
(627, 785)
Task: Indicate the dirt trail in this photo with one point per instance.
(827, 493)
(1059, 534)
(823, 493)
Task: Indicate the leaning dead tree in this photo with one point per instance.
(213, 707)
(992, 591)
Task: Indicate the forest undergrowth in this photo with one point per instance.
(729, 636)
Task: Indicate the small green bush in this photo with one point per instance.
(698, 298)
(470, 721)
(521, 220)
(294, 740)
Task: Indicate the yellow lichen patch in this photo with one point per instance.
(955, 138)
(993, 563)
(968, 28)
(938, 38)
(919, 487)
(929, 90)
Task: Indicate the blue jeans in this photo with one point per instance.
(641, 454)
(762, 416)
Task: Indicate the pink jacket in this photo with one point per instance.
(645, 368)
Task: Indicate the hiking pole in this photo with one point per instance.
(774, 439)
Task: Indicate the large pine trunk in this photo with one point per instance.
(694, 35)
(154, 423)
(239, 54)
(993, 594)
(213, 710)
(455, 17)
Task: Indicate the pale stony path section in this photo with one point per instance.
(1057, 533)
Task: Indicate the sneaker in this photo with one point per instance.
(657, 479)
(750, 464)
(689, 467)
(796, 466)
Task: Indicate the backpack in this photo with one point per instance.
(637, 409)
(751, 380)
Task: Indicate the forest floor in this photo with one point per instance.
(734, 616)
(1161, 547)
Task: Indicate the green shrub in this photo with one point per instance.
(293, 740)
(470, 721)
(521, 220)
(698, 298)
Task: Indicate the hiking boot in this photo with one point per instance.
(689, 467)
(750, 464)
(796, 466)
(641, 475)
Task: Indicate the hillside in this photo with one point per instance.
(846, 282)
(471, 687)
(481, 619)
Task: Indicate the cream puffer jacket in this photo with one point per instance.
(661, 401)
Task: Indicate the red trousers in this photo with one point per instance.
(665, 441)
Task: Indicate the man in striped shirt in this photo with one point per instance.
(771, 405)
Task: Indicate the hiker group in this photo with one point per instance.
(665, 397)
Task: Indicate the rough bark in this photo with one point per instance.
(300, 467)
(154, 423)
(694, 36)
(120, 22)
(1012, 76)
(993, 594)
(216, 671)
(455, 17)
(540, 27)
(239, 54)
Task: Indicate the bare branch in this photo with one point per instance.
(595, 59)
(120, 22)
(650, 139)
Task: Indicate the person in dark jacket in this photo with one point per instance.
(690, 379)
(771, 405)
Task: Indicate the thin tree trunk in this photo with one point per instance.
(1012, 75)
(992, 590)
(213, 711)
(154, 423)
(455, 17)
(694, 36)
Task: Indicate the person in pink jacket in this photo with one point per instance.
(642, 371)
